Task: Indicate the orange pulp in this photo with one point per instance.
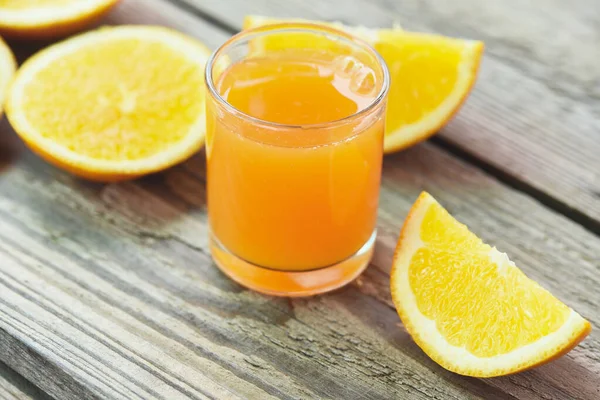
(289, 198)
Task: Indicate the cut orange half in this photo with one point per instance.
(431, 76)
(8, 66)
(113, 104)
(468, 306)
(44, 19)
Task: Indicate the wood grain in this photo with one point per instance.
(534, 116)
(112, 286)
(15, 387)
(108, 291)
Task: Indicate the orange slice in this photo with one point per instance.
(468, 306)
(8, 66)
(113, 104)
(43, 19)
(431, 76)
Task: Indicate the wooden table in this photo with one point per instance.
(108, 291)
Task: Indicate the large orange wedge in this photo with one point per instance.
(468, 306)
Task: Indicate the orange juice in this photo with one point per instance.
(293, 171)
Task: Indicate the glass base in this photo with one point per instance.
(292, 283)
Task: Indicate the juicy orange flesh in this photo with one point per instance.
(118, 100)
(291, 200)
(423, 72)
(486, 309)
(24, 4)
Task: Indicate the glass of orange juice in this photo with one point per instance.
(294, 145)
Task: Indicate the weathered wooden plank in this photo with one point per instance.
(134, 290)
(15, 387)
(108, 291)
(121, 271)
(535, 111)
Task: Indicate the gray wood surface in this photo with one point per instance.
(108, 291)
(534, 116)
(14, 387)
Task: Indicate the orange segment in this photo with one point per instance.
(114, 103)
(43, 19)
(468, 306)
(431, 76)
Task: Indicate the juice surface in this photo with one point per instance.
(287, 198)
(297, 88)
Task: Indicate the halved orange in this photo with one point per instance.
(114, 103)
(8, 66)
(431, 76)
(468, 306)
(44, 19)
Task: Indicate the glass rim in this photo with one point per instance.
(306, 27)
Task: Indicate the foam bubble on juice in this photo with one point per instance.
(346, 65)
(355, 80)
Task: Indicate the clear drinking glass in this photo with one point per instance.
(292, 195)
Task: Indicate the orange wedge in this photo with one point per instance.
(431, 76)
(44, 19)
(468, 306)
(113, 104)
(8, 66)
